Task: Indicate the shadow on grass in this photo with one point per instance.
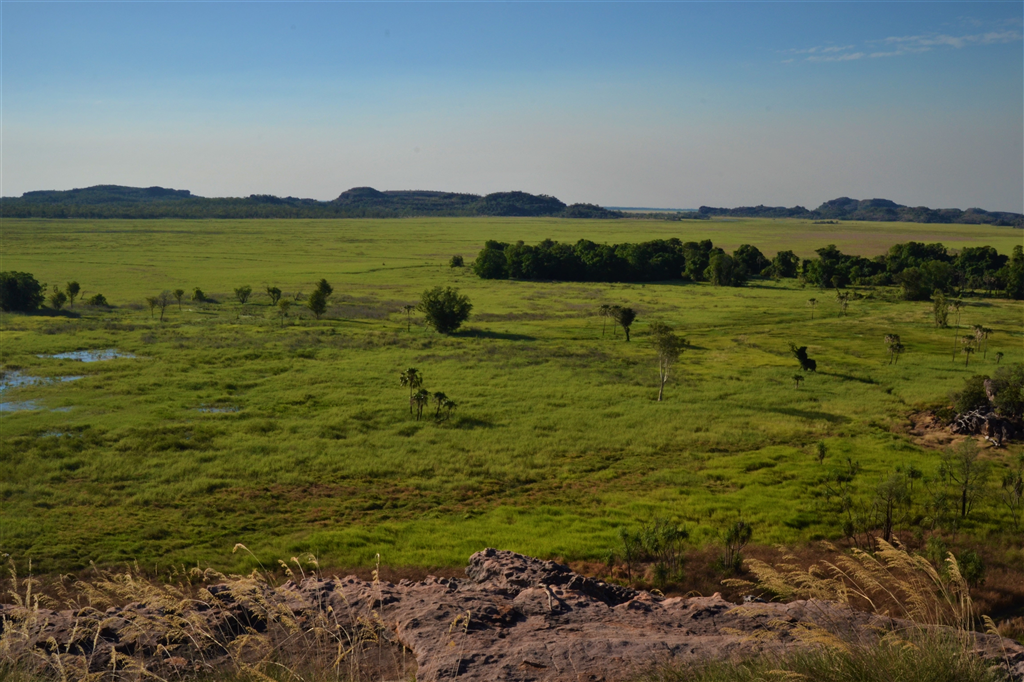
(481, 334)
(849, 377)
(811, 414)
(472, 423)
(50, 312)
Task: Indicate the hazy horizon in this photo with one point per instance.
(618, 104)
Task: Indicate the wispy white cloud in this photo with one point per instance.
(898, 46)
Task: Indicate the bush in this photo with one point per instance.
(456, 262)
(444, 308)
(98, 300)
(20, 292)
(972, 396)
(1009, 390)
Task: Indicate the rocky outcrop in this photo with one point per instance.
(514, 619)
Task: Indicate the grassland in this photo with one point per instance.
(557, 441)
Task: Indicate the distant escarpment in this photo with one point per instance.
(881, 210)
(116, 201)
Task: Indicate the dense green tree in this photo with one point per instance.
(1008, 384)
(456, 262)
(198, 296)
(1014, 274)
(323, 287)
(72, 290)
(971, 396)
(725, 271)
(98, 300)
(490, 263)
(20, 292)
(445, 309)
(751, 259)
(317, 302)
(785, 264)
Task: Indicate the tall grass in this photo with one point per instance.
(164, 630)
(932, 639)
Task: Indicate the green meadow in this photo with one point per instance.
(232, 425)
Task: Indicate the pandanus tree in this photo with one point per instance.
(797, 378)
(420, 399)
(414, 380)
(967, 350)
(408, 316)
(668, 346)
(892, 342)
(178, 295)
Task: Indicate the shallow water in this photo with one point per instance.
(19, 406)
(89, 355)
(227, 409)
(17, 379)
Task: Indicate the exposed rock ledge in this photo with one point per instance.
(515, 619)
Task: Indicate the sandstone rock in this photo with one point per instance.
(516, 619)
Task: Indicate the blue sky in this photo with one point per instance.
(638, 104)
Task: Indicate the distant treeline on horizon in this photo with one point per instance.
(116, 201)
(921, 270)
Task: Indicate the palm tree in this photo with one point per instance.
(420, 400)
(797, 378)
(178, 295)
(891, 342)
(957, 305)
(605, 311)
(414, 380)
(967, 350)
(440, 399)
(999, 356)
(408, 316)
(812, 302)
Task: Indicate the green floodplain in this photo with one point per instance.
(230, 425)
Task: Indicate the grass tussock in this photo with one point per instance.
(919, 657)
(120, 626)
(891, 582)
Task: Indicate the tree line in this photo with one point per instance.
(919, 269)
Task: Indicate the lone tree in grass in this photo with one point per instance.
(843, 299)
(243, 293)
(274, 293)
(20, 292)
(317, 303)
(940, 309)
(325, 288)
(162, 301)
(967, 350)
(198, 296)
(797, 378)
(668, 347)
(967, 474)
(178, 295)
(57, 298)
(736, 538)
(806, 364)
(414, 380)
(892, 342)
(624, 317)
(283, 306)
(445, 309)
(72, 290)
(999, 357)
(456, 262)
(408, 316)
(812, 302)
(151, 301)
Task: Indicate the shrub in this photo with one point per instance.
(445, 308)
(1009, 390)
(20, 292)
(971, 396)
(456, 262)
(98, 300)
